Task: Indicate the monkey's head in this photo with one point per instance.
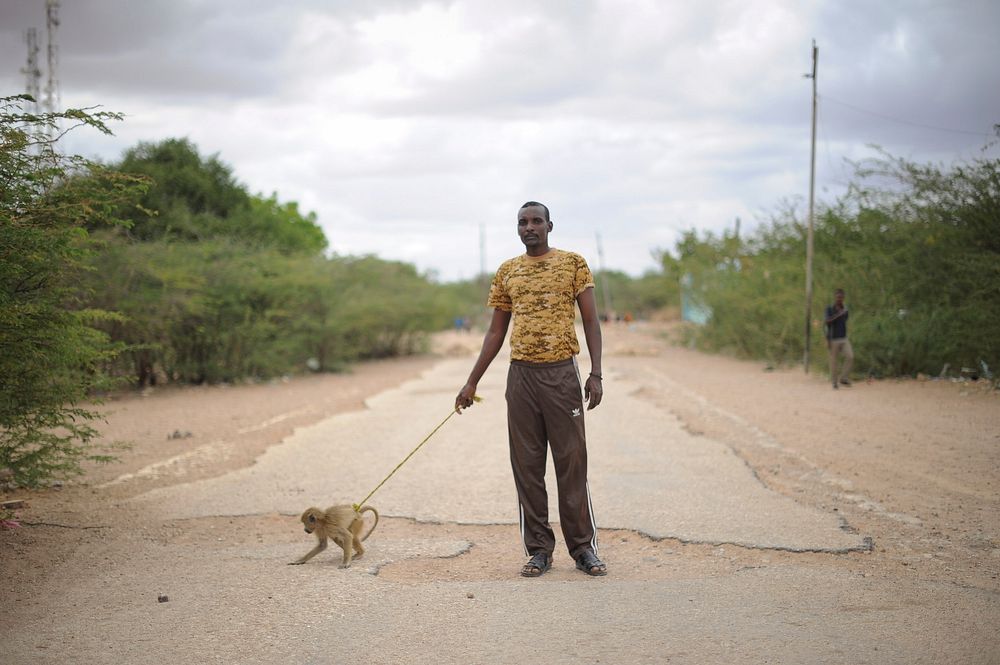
(310, 518)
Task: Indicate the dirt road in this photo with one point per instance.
(747, 516)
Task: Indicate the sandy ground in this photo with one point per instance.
(879, 540)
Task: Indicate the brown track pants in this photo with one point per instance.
(545, 409)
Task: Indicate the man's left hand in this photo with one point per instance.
(593, 391)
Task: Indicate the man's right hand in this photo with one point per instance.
(466, 397)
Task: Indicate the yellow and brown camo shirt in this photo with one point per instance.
(541, 292)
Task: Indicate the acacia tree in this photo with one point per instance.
(51, 353)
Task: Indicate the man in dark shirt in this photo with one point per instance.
(836, 340)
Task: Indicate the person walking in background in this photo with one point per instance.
(836, 340)
(541, 290)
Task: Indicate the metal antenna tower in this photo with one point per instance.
(32, 74)
(52, 101)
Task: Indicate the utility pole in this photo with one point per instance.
(483, 278)
(482, 249)
(809, 233)
(32, 74)
(604, 279)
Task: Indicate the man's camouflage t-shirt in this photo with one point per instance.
(541, 293)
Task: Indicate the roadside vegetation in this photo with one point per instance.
(215, 284)
(163, 268)
(917, 249)
(53, 348)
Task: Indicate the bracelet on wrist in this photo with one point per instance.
(597, 375)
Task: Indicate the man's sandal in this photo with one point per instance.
(536, 565)
(588, 562)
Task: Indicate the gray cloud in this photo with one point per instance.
(406, 125)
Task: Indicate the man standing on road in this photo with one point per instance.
(541, 289)
(836, 339)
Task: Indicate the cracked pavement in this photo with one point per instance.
(733, 533)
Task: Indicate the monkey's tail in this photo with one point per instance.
(369, 509)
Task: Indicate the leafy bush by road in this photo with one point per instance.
(916, 247)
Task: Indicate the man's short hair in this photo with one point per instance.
(838, 292)
(544, 207)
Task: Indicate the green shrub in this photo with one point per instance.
(53, 352)
(916, 248)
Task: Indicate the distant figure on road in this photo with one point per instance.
(836, 340)
(541, 290)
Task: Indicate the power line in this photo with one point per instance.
(900, 120)
(836, 173)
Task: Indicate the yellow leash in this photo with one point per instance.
(357, 506)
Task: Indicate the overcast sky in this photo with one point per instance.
(410, 126)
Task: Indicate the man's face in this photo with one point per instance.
(839, 298)
(532, 226)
